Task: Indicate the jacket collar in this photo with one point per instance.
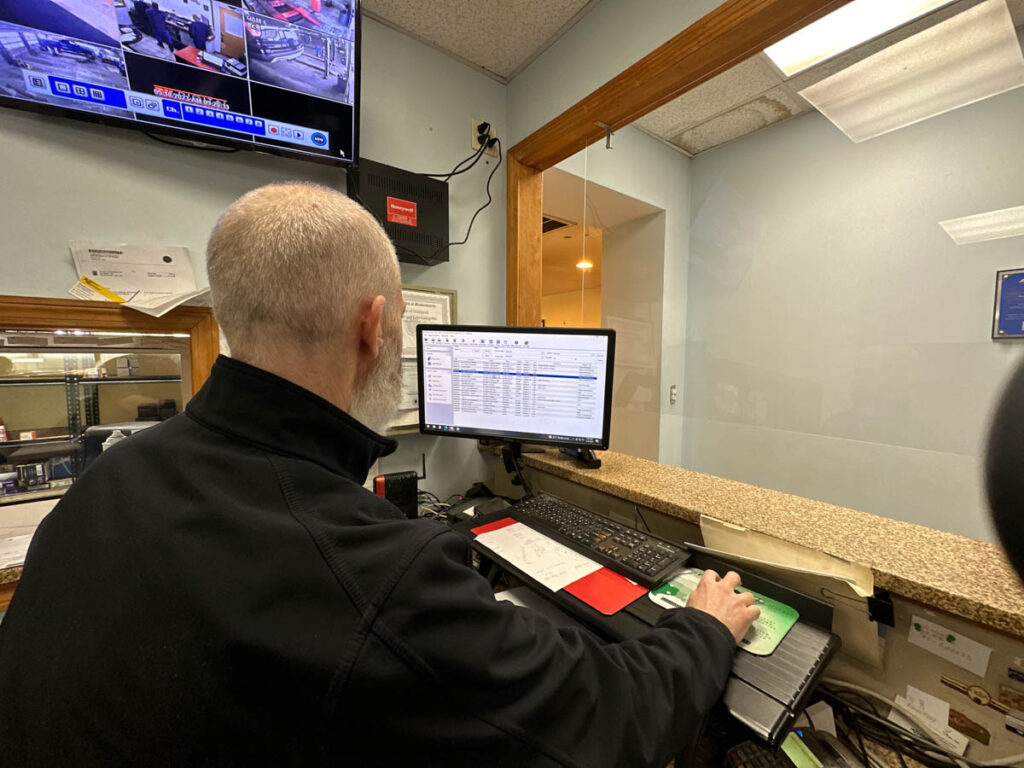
(258, 407)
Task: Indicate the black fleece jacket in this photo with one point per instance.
(220, 590)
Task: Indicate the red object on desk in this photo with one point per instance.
(603, 590)
(191, 55)
(606, 591)
(496, 525)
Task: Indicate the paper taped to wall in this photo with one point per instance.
(150, 278)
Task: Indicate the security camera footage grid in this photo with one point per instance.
(270, 72)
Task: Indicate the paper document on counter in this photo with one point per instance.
(773, 550)
(150, 278)
(13, 549)
(553, 565)
(939, 729)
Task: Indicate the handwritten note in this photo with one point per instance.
(553, 565)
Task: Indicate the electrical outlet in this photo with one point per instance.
(475, 133)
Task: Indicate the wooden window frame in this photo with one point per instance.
(730, 34)
(41, 314)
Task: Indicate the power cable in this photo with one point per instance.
(932, 748)
(458, 169)
(490, 199)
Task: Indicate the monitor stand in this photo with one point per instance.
(511, 453)
(525, 447)
(584, 456)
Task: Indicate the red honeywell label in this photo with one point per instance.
(401, 211)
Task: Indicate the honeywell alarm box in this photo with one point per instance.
(413, 209)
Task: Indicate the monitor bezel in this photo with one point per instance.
(533, 439)
(200, 138)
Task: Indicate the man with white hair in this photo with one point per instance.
(220, 589)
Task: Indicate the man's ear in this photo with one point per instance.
(371, 314)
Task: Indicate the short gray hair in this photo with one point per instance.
(289, 263)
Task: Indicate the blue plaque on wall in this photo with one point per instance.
(1009, 313)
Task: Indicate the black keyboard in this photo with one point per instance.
(642, 557)
(751, 755)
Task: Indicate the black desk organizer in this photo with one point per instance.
(765, 693)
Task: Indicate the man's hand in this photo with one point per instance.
(717, 596)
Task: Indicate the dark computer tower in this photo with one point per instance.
(413, 209)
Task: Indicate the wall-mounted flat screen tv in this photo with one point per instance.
(274, 75)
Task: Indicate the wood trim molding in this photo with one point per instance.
(523, 235)
(730, 34)
(29, 313)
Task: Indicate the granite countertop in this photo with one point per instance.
(9, 575)
(962, 576)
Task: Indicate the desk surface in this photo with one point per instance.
(962, 576)
(190, 54)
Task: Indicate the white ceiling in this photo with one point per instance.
(754, 94)
(501, 37)
(498, 37)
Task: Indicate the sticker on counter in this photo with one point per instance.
(961, 723)
(949, 645)
(933, 706)
(975, 693)
(1012, 697)
(940, 731)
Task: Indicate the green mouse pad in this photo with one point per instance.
(766, 633)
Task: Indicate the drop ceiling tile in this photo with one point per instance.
(773, 107)
(496, 36)
(739, 85)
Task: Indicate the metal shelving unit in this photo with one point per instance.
(64, 363)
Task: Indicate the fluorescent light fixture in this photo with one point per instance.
(964, 59)
(843, 29)
(994, 225)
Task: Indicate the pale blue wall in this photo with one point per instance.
(69, 179)
(838, 342)
(613, 35)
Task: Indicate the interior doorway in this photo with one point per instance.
(611, 277)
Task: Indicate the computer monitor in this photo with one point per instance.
(551, 386)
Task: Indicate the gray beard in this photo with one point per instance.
(375, 403)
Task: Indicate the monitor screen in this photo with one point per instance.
(538, 385)
(277, 75)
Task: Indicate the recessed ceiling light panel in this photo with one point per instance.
(964, 59)
(1008, 222)
(843, 29)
